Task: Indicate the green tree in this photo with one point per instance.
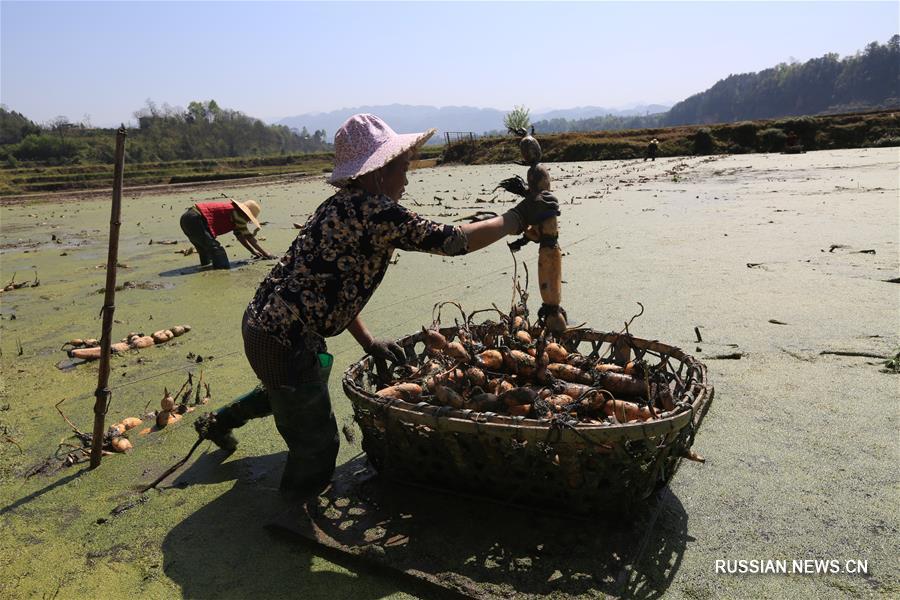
(14, 126)
(517, 118)
(47, 148)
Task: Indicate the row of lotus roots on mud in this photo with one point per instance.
(116, 438)
(89, 348)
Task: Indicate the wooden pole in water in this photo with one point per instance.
(102, 394)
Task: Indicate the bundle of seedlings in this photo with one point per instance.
(89, 348)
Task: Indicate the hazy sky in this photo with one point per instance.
(276, 59)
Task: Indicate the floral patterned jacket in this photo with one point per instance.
(337, 261)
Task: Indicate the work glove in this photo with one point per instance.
(383, 351)
(534, 209)
(386, 350)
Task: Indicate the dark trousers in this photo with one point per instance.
(295, 392)
(197, 231)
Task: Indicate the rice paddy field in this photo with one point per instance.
(787, 265)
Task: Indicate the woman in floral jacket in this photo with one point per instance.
(322, 283)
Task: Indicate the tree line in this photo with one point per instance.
(163, 133)
(870, 79)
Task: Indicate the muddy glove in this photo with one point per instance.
(383, 351)
(386, 350)
(534, 209)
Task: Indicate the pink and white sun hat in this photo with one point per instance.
(365, 143)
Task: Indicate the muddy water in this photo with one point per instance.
(725, 244)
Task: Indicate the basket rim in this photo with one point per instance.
(463, 420)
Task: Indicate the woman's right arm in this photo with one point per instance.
(484, 233)
(398, 226)
(529, 211)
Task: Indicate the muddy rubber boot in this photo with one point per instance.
(208, 428)
(305, 420)
(218, 426)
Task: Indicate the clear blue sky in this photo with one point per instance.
(278, 59)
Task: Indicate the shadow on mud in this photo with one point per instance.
(48, 488)
(194, 269)
(223, 550)
(490, 550)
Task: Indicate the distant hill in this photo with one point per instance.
(405, 118)
(587, 112)
(868, 80)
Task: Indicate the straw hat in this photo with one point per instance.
(365, 143)
(250, 209)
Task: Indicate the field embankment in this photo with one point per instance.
(34, 179)
(828, 132)
(38, 179)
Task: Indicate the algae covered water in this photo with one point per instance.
(788, 474)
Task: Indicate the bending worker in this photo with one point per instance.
(325, 279)
(204, 222)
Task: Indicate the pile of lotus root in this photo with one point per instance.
(516, 368)
(172, 407)
(89, 349)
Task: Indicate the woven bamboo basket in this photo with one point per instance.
(529, 461)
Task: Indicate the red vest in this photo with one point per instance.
(218, 216)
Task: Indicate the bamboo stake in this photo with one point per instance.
(102, 394)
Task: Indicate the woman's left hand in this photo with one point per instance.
(387, 350)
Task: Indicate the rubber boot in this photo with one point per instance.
(208, 429)
(305, 420)
(252, 405)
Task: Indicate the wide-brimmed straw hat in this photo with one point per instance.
(365, 143)
(250, 209)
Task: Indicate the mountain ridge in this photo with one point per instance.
(406, 118)
(866, 80)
